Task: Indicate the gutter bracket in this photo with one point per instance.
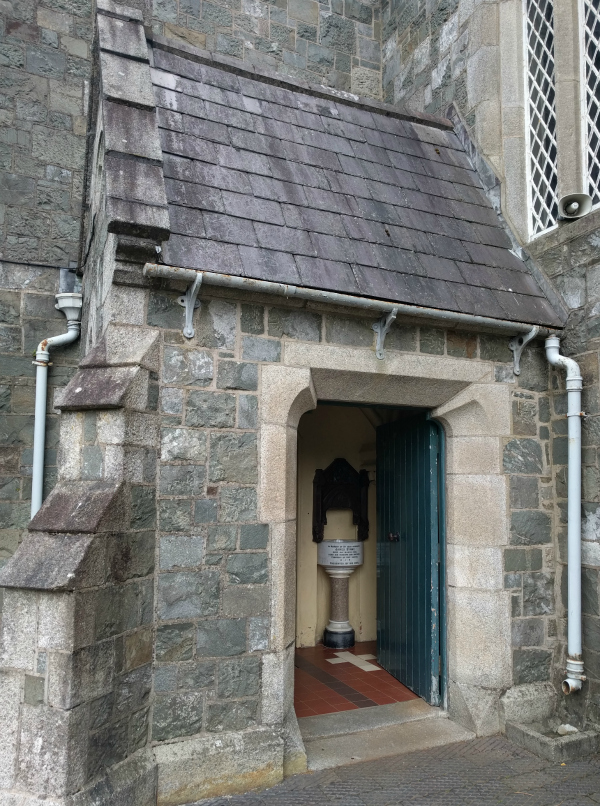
(381, 328)
(518, 344)
(190, 303)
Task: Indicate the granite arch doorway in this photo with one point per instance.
(475, 413)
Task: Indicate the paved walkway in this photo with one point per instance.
(477, 773)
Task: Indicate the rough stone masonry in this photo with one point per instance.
(147, 631)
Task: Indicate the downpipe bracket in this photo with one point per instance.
(382, 328)
(190, 302)
(518, 344)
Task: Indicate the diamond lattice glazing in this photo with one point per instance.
(542, 114)
(591, 35)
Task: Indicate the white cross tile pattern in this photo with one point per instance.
(358, 660)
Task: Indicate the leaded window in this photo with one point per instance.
(591, 80)
(543, 177)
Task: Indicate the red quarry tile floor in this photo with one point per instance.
(322, 687)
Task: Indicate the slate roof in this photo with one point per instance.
(271, 183)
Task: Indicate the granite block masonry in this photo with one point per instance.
(148, 617)
(79, 591)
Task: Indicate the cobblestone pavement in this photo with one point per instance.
(480, 772)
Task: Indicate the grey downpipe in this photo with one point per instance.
(334, 298)
(70, 305)
(575, 674)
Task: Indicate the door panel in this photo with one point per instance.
(408, 554)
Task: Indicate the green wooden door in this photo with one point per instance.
(408, 553)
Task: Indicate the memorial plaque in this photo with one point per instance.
(347, 553)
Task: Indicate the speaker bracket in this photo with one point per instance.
(518, 344)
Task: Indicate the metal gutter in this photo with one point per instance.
(315, 295)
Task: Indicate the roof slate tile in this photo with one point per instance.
(190, 194)
(187, 221)
(477, 300)
(439, 268)
(364, 230)
(300, 174)
(410, 239)
(237, 204)
(331, 202)
(202, 254)
(187, 146)
(284, 239)
(243, 160)
(327, 274)
(314, 220)
(344, 183)
(229, 229)
(343, 129)
(167, 119)
(206, 129)
(264, 264)
(448, 247)
(374, 282)
(518, 306)
(267, 188)
(301, 188)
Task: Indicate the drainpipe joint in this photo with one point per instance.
(575, 675)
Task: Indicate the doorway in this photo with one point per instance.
(394, 596)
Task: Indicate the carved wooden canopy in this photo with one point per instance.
(340, 486)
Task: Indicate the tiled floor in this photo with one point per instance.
(327, 688)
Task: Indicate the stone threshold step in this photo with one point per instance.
(380, 716)
(392, 738)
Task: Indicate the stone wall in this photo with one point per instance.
(44, 83)
(469, 55)
(44, 88)
(529, 561)
(209, 532)
(27, 315)
(425, 52)
(193, 640)
(569, 257)
(44, 70)
(332, 42)
(466, 54)
(76, 635)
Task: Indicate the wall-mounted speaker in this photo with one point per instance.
(573, 206)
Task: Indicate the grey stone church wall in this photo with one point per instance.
(27, 315)
(439, 53)
(332, 42)
(45, 70)
(569, 257)
(212, 570)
